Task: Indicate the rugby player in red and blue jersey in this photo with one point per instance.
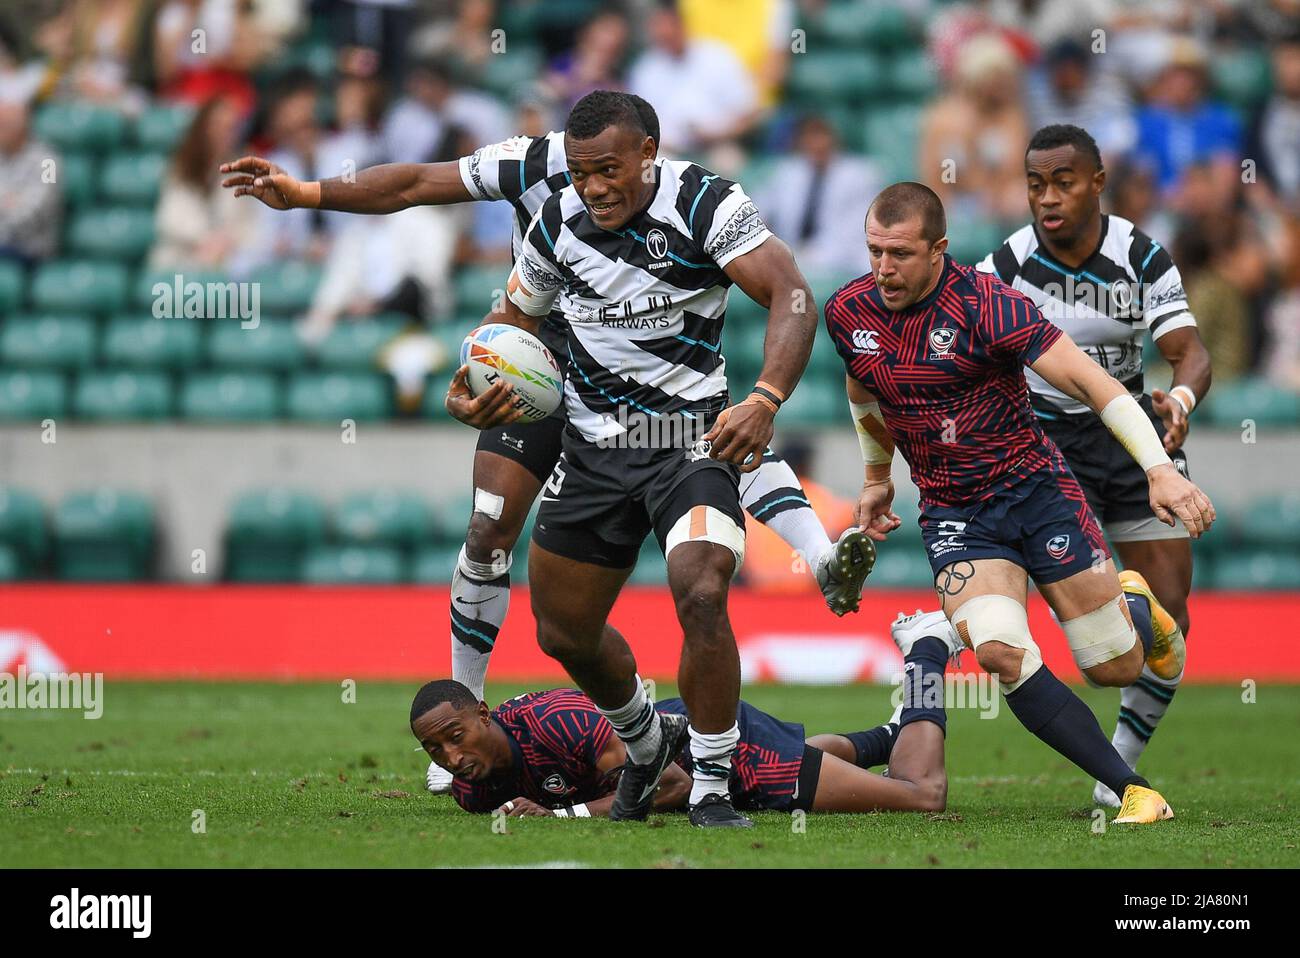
(554, 753)
(935, 355)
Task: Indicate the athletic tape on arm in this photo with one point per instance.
(877, 446)
(1130, 425)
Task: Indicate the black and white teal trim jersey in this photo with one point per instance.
(643, 306)
(1128, 286)
(523, 170)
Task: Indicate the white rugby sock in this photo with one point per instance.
(637, 724)
(1141, 707)
(480, 596)
(773, 495)
(711, 761)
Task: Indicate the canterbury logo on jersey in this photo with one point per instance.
(864, 341)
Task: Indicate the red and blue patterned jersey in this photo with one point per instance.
(949, 374)
(556, 738)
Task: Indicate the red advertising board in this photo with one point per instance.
(293, 632)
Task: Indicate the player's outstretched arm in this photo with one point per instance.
(1070, 370)
(377, 189)
(874, 509)
(770, 277)
(1184, 350)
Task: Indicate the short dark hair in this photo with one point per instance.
(902, 201)
(601, 109)
(1065, 134)
(649, 118)
(433, 694)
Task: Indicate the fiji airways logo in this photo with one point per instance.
(1058, 546)
(864, 341)
(941, 342)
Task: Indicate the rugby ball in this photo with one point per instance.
(499, 351)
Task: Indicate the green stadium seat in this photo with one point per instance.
(79, 286)
(893, 136)
(865, 24)
(269, 345)
(519, 66)
(384, 517)
(118, 232)
(1257, 569)
(122, 394)
(230, 397)
(435, 392)
(159, 128)
(269, 532)
(288, 287)
(333, 397)
(970, 239)
(477, 292)
(58, 342)
(1242, 77)
(76, 172)
(11, 286)
(1270, 522)
(434, 565)
(650, 566)
(10, 569)
(818, 401)
(845, 76)
(76, 125)
(154, 343)
(22, 530)
(912, 76)
(26, 396)
(104, 536)
(133, 179)
(353, 565)
(356, 344)
(1255, 399)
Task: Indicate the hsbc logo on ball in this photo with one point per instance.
(864, 341)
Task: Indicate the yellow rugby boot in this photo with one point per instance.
(1169, 650)
(1142, 806)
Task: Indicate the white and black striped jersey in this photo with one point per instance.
(523, 170)
(1128, 286)
(643, 307)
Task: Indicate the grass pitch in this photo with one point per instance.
(290, 775)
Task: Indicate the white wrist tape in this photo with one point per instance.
(1184, 396)
(1130, 425)
(573, 811)
(877, 446)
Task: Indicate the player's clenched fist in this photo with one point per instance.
(494, 408)
(263, 180)
(873, 511)
(1172, 495)
(741, 434)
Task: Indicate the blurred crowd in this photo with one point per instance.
(324, 87)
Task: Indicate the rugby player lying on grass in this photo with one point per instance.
(552, 753)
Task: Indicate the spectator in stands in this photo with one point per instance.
(31, 199)
(770, 566)
(95, 49)
(1222, 268)
(701, 91)
(973, 137)
(808, 195)
(356, 141)
(373, 36)
(1069, 86)
(463, 40)
(594, 63)
(758, 32)
(198, 225)
(1180, 126)
(206, 48)
(1132, 194)
(1275, 136)
(1282, 320)
(425, 124)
